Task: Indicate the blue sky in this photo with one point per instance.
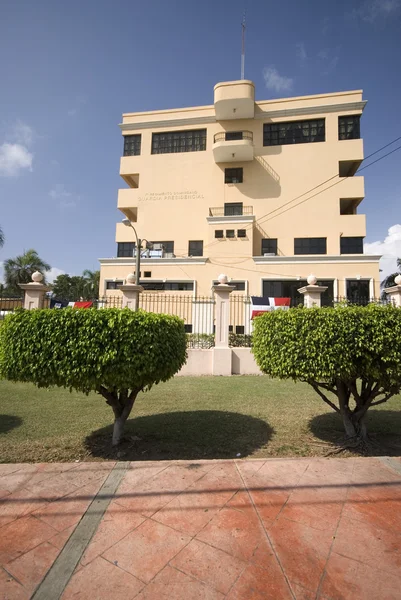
(69, 70)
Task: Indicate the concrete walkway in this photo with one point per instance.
(243, 530)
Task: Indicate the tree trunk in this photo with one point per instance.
(118, 430)
(121, 403)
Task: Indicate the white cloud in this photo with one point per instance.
(390, 248)
(276, 82)
(301, 53)
(14, 153)
(53, 273)
(371, 11)
(14, 158)
(65, 199)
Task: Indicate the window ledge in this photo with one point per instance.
(316, 258)
(130, 261)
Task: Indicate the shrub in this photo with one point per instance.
(203, 341)
(116, 353)
(239, 340)
(352, 352)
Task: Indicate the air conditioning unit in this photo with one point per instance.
(269, 254)
(157, 247)
(169, 255)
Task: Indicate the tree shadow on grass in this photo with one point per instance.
(384, 427)
(184, 436)
(8, 422)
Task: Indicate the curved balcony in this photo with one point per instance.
(233, 146)
(234, 100)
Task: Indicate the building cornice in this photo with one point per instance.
(316, 259)
(130, 261)
(265, 114)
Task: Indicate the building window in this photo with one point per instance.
(195, 248)
(241, 233)
(183, 286)
(358, 291)
(239, 285)
(310, 245)
(283, 288)
(113, 285)
(125, 249)
(230, 233)
(351, 245)
(233, 135)
(179, 141)
(188, 328)
(349, 127)
(233, 175)
(168, 247)
(294, 132)
(132, 145)
(269, 246)
(233, 208)
(219, 233)
(147, 274)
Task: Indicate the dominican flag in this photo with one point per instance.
(262, 305)
(54, 303)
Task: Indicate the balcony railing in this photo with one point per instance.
(230, 136)
(230, 211)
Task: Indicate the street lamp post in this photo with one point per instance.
(138, 242)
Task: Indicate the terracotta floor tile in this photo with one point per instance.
(249, 468)
(139, 473)
(347, 579)
(379, 548)
(302, 551)
(101, 580)
(147, 549)
(301, 593)
(236, 531)
(282, 473)
(212, 566)
(86, 472)
(115, 525)
(21, 536)
(152, 494)
(68, 510)
(19, 504)
(260, 584)
(60, 539)
(31, 567)
(378, 508)
(171, 584)
(11, 589)
(314, 507)
(51, 488)
(15, 481)
(190, 511)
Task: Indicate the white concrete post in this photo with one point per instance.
(394, 292)
(34, 291)
(131, 293)
(222, 354)
(312, 293)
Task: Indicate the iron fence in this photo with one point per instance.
(8, 305)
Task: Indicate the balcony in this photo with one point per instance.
(350, 156)
(234, 100)
(233, 213)
(127, 202)
(129, 170)
(233, 146)
(352, 187)
(353, 225)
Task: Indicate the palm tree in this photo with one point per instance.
(20, 269)
(389, 280)
(92, 279)
(1, 238)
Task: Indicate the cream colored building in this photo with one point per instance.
(264, 191)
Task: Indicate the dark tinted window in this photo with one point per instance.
(195, 248)
(233, 135)
(132, 145)
(351, 245)
(349, 127)
(230, 233)
(168, 286)
(294, 132)
(179, 141)
(358, 291)
(167, 246)
(310, 245)
(219, 233)
(233, 208)
(125, 249)
(289, 289)
(269, 246)
(233, 175)
(241, 233)
(113, 285)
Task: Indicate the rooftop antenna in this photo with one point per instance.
(243, 48)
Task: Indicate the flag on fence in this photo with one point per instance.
(54, 303)
(262, 305)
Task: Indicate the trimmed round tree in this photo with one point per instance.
(116, 353)
(350, 356)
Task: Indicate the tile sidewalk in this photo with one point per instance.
(300, 529)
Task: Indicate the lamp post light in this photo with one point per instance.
(138, 242)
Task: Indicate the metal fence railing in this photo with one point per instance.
(8, 305)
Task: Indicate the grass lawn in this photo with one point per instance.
(186, 418)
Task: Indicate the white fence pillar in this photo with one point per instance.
(34, 292)
(222, 354)
(394, 292)
(312, 293)
(131, 293)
